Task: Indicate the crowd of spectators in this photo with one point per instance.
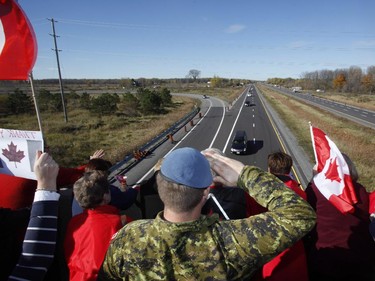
(218, 220)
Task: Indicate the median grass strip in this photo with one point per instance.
(355, 140)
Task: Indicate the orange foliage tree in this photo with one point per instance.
(339, 81)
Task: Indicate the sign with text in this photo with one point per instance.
(17, 152)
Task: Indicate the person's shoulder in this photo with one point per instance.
(137, 226)
(134, 231)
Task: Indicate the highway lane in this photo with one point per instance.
(216, 128)
(356, 114)
(262, 138)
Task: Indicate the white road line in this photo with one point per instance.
(188, 133)
(234, 124)
(221, 123)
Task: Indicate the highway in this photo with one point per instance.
(355, 114)
(215, 126)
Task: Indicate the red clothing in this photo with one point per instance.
(372, 202)
(290, 264)
(340, 246)
(17, 193)
(87, 239)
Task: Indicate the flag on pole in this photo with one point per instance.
(18, 46)
(333, 176)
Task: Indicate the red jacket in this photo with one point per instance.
(290, 264)
(87, 239)
(371, 202)
(340, 246)
(17, 193)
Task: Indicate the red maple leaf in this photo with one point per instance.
(12, 154)
(332, 172)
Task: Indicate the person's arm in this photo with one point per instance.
(40, 238)
(123, 199)
(289, 217)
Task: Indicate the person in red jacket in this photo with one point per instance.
(17, 193)
(17, 196)
(291, 263)
(88, 234)
(340, 247)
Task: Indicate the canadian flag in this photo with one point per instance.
(333, 177)
(18, 47)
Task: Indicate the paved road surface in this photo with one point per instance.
(216, 128)
(355, 114)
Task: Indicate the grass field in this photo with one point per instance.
(73, 142)
(355, 140)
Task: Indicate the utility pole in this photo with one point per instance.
(58, 67)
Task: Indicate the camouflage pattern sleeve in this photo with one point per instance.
(289, 217)
(107, 272)
(209, 249)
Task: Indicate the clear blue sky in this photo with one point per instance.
(230, 39)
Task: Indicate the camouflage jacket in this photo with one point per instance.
(209, 249)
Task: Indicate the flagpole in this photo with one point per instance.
(313, 143)
(35, 102)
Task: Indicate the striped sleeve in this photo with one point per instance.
(40, 238)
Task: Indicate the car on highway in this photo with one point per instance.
(249, 95)
(249, 103)
(205, 96)
(239, 143)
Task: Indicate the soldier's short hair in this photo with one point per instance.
(178, 197)
(280, 163)
(89, 190)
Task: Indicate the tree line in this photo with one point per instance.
(345, 80)
(143, 102)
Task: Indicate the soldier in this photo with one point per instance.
(180, 243)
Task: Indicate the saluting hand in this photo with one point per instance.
(228, 170)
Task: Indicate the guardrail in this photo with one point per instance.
(129, 161)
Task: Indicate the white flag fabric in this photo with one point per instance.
(17, 152)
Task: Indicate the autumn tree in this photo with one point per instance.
(353, 79)
(368, 83)
(339, 81)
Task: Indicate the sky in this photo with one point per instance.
(243, 39)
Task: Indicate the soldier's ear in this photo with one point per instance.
(205, 193)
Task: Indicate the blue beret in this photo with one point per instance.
(187, 166)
